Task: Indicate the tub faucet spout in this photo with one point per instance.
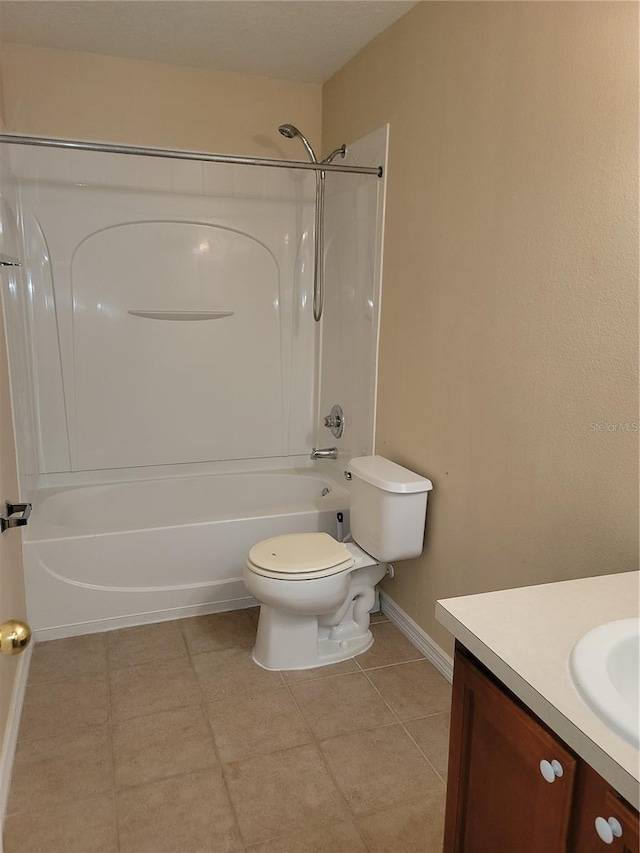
(324, 453)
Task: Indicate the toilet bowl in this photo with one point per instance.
(316, 593)
(314, 608)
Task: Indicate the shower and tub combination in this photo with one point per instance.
(169, 374)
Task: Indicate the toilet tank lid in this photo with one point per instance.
(387, 475)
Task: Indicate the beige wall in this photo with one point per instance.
(509, 311)
(86, 96)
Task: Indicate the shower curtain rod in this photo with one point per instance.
(80, 145)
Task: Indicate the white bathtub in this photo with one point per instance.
(117, 554)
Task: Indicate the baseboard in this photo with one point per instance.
(10, 740)
(420, 639)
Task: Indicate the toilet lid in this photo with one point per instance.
(298, 553)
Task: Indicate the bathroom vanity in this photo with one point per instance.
(531, 766)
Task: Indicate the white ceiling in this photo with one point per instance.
(304, 41)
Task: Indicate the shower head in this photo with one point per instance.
(290, 131)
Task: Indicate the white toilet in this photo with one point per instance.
(316, 593)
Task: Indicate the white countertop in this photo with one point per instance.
(525, 637)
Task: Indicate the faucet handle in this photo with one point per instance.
(335, 421)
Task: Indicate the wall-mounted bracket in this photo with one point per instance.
(8, 520)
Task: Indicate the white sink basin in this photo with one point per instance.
(604, 667)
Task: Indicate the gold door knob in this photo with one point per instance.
(15, 636)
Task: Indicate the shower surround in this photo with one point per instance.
(162, 338)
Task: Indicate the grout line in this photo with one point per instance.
(59, 707)
(75, 798)
(62, 805)
(402, 723)
(255, 844)
(39, 682)
(422, 752)
(298, 682)
(223, 776)
(203, 703)
(110, 727)
(105, 726)
(173, 708)
(316, 742)
(395, 663)
(134, 787)
(419, 798)
(203, 707)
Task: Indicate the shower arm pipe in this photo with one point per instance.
(177, 154)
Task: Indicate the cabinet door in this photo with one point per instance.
(497, 797)
(596, 801)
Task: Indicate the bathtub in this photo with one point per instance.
(106, 556)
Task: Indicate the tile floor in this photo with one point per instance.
(169, 739)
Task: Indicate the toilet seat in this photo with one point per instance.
(299, 556)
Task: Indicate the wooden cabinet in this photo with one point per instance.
(496, 793)
(596, 803)
(514, 787)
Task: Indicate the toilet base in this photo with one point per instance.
(291, 636)
(286, 641)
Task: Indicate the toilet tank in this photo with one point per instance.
(388, 508)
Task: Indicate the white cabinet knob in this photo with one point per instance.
(551, 770)
(608, 829)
